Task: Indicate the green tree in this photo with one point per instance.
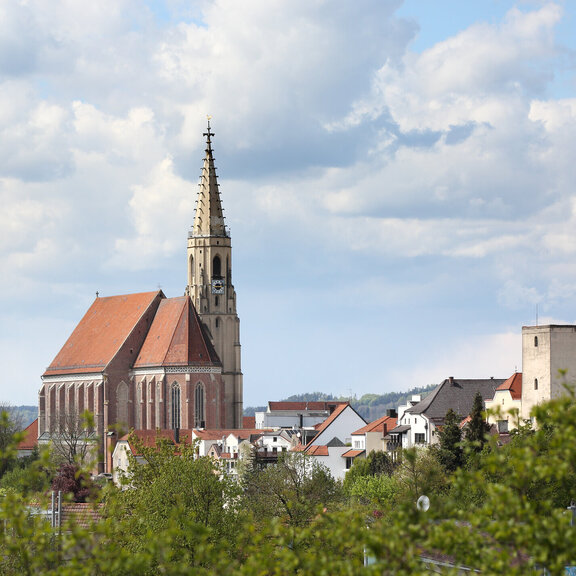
(292, 490)
(477, 428)
(175, 492)
(449, 449)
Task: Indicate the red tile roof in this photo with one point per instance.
(176, 337)
(337, 411)
(384, 425)
(317, 450)
(513, 385)
(82, 515)
(100, 334)
(352, 453)
(30, 440)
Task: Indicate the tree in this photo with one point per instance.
(292, 490)
(73, 442)
(10, 426)
(71, 479)
(174, 491)
(477, 428)
(449, 451)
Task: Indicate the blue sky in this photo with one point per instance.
(398, 178)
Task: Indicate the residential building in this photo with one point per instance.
(334, 439)
(504, 410)
(419, 419)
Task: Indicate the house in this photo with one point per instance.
(418, 420)
(505, 408)
(370, 438)
(333, 439)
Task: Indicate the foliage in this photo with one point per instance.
(477, 428)
(292, 490)
(72, 480)
(10, 426)
(73, 442)
(172, 489)
(28, 475)
(449, 449)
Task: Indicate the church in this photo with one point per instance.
(150, 362)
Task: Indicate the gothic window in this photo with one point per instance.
(175, 403)
(199, 397)
(216, 267)
(122, 403)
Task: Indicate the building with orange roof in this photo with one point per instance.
(505, 408)
(149, 362)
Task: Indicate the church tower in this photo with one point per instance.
(210, 283)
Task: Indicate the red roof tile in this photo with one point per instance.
(30, 440)
(317, 450)
(383, 425)
(352, 453)
(100, 334)
(513, 385)
(176, 337)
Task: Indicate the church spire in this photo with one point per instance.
(209, 217)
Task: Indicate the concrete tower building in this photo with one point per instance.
(548, 361)
(210, 283)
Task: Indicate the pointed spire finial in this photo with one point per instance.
(209, 133)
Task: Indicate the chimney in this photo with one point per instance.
(451, 380)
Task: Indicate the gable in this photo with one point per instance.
(102, 332)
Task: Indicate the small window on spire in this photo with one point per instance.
(535, 383)
(536, 341)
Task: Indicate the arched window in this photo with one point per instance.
(122, 403)
(175, 405)
(199, 397)
(535, 383)
(217, 322)
(216, 267)
(536, 341)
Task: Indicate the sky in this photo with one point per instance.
(398, 178)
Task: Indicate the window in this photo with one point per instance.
(535, 383)
(199, 397)
(175, 405)
(349, 462)
(419, 438)
(216, 267)
(536, 341)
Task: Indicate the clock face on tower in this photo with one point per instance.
(217, 286)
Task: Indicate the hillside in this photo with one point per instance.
(369, 406)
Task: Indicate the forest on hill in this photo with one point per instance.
(369, 406)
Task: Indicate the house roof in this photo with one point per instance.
(101, 333)
(513, 385)
(176, 337)
(317, 450)
(454, 394)
(30, 440)
(352, 453)
(249, 422)
(384, 425)
(400, 429)
(303, 406)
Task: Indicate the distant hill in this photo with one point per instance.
(27, 414)
(369, 406)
